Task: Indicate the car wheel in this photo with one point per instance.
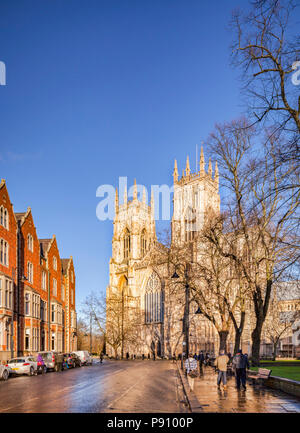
(31, 371)
(5, 375)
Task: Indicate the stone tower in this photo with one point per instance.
(195, 194)
(134, 233)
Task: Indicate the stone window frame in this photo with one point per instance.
(54, 288)
(44, 280)
(4, 217)
(4, 252)
(27, 335)
(126, 243)
(53, 312)
(30, 272)
(27, 303)
(143, 242)
(153, 299)
(30, 242)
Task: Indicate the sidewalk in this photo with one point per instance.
(254, 399)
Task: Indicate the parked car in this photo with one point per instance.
(23, 365)
(53, 360)
(4, 372)
(84, 356)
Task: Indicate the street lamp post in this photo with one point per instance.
(91, 332)
(185, 320)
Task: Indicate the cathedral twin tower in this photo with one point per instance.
(135, 235)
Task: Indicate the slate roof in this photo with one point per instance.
(64, 265)
(19, 215)
(44, 244)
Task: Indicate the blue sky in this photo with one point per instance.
(101, 89)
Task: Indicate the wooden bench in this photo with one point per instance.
(263, 374)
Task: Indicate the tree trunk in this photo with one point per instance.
(237, 341)
(256, 338)
(223, 338)
(238, 333)
(116, 351)
(274, 351)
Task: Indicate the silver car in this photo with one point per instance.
(4, 372)
(23, 365)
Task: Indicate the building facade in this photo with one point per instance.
(135, 279)
(37, 311)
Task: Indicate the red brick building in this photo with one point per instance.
(37, 288)
(8, 275)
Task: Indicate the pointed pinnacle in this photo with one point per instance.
(125, 195)
(216, 173)
(175, 172)
(209, 168)
(134, 190)
(116, 201)
(187, 168)
(202, 162)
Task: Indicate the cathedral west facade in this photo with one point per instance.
(141, 291)
(145, 286)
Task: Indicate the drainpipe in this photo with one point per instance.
(48, 310)
(12, 318)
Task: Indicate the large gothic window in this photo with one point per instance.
(190, 225)
(153, 300)
(126, 244)
(143, 243)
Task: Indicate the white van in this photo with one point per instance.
(84, 356)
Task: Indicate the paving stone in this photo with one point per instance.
(256, 399)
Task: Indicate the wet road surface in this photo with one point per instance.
(114, 386)
(258, 399)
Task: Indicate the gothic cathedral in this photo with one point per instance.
(139, 292)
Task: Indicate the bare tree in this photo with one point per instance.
(123, 322)
(266, 46)
(279, 323)
(220, 289)
(260, 220)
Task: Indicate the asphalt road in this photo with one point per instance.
(114, 386)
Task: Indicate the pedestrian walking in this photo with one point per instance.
(221, 365)
(127, 356)
(201, 359)
(101, 357)
(148, 355)
(240, 363)
(153, 356)
(143, 357)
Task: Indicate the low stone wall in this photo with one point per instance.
(286, 385)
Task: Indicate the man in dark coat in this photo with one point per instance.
(240, 363)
